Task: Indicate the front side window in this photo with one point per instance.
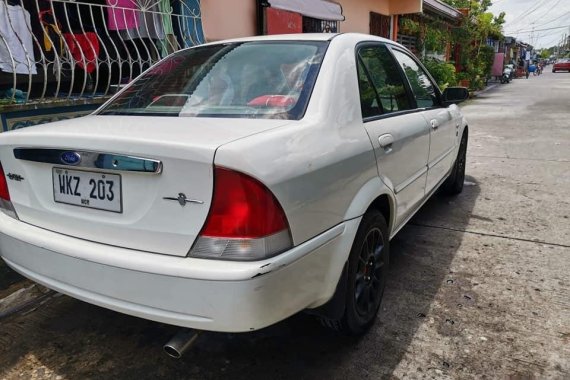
(422, 87)
(248, 79)
(386, 78)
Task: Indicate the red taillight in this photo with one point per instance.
(4, 193)
(5, 203)
(242, 207)
(246, 222)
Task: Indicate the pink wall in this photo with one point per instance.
(357, 14)
(224, 19)
(402, 7)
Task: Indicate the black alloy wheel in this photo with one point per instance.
(453, 185)
(368, 264)
(369, 274)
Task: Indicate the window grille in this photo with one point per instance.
(87, 49)
(313, 25)
(410, 42)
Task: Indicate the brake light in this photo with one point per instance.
(5, 202)
(4, 193)
(245, 222)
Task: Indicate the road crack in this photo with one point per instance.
(519, 158)
(490, 235)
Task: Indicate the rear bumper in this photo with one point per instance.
(196, 293)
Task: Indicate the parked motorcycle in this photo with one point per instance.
(507, 74)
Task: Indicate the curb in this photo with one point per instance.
(489, 87)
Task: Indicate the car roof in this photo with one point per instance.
(281, 37)
(305, 37)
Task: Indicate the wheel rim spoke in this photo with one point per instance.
(369, 272)
(359, 288)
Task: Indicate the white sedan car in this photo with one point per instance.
(237, 183)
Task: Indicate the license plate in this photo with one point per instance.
(101, 191)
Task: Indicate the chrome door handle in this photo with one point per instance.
(434, 124)
(386, 141)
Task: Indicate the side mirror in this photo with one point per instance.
(454, 95)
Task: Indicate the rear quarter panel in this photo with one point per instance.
(316, 167)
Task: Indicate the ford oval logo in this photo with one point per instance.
(70, 158)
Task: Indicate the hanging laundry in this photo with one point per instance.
(169, 44)
(166, 12)
(52, 32)
(84, 49)
(120, 16)
(149, 25)
(16, 44)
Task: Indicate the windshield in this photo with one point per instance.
(251, 79)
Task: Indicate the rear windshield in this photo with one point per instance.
(252, 80)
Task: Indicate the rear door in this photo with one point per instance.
(439, 118)
(399, 134)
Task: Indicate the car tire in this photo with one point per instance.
(453, 185)
(367, 270)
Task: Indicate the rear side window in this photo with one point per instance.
(248, 79)
(422, 87)
(368, 97)
(384, 75)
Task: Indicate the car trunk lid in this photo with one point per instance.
(143, 182)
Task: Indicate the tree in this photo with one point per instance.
(477, 27)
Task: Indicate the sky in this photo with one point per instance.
(549, 18)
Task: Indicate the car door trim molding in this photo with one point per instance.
(410, 180)
(391, 114)
(441, 157)
(413, 211)
(90, 159)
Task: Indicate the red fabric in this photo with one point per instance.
(273, 101)
(283, 22)
(84, 49)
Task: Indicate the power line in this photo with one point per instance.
(555, 19)
(552, 42)
(550, 9)
(538, 38)
(540, 35)
(528, 12)
(539, 30)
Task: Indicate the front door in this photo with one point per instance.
(439, 119)
(399, 135)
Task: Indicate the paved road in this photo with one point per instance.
(479, 288)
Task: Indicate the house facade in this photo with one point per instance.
(411, 30)
(377, 17)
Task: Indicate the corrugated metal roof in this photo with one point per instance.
(442, 9)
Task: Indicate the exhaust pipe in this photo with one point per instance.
(181, 342)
